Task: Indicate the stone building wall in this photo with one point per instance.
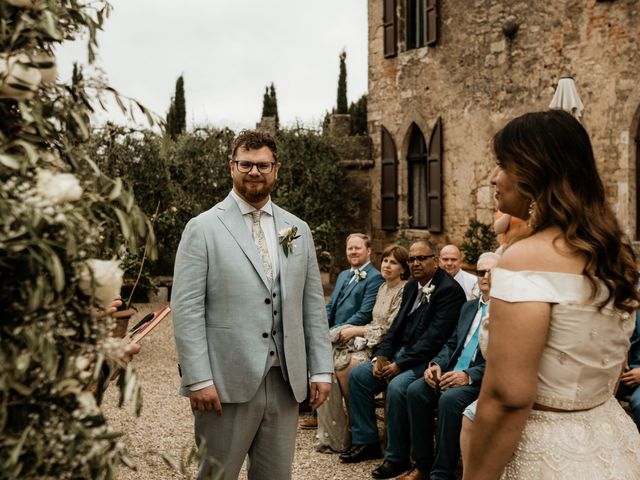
(477, 79)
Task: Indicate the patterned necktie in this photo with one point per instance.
(464, 361)
(261, 243)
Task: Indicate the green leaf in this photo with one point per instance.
(80, 122)
(29, 149)
(125, 225)
(15, 451)
(11, 161)
(171, 461)
(49, 25)
(116, 190)
(57, 272)
(147, 113)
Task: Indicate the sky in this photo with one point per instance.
(228, 51)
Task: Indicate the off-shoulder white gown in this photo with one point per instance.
(581, 362)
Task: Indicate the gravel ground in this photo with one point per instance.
(166, 426)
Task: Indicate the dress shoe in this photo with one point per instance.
(389, 469)
(309, 422)
(415, 474)
(360, 453)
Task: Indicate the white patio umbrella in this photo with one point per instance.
(567, 98)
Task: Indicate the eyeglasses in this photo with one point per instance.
(245, 166)
(419, 258)
(482, 273)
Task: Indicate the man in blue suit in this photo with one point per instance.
(354, 296)
(630, 379)
(428, 314)
(356, 288)
(450, 383)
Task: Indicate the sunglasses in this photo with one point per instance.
(482, 273)
(419, 258)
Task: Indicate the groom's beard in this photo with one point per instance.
(255, 194)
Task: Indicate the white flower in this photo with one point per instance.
(286, 238)
(58, 187)
(427, 290)
(102, 278)
(360, 274)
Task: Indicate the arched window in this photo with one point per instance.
(389, 182)
(425, 178)
(417, 168)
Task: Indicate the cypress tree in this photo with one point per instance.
(170, 123)
(358, 112)
(274, 103)
(266, 103)
(342, 106)
(177, 115)
(180, 107)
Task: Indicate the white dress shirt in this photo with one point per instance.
(468, 282)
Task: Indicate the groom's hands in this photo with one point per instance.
(318, 393)
(205, 400)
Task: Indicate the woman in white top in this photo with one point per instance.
(559, 320)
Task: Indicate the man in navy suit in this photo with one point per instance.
(630, 379)
(353, 298)
(450, 383)
(356, 288)
(428, 314)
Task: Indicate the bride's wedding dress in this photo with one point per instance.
(581, 362)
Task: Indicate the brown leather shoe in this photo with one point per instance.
(415, 474)
(309, 422)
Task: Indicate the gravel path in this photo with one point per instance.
(166, 426)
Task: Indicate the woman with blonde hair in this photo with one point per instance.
(562, 300)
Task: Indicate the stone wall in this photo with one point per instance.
(477, 79)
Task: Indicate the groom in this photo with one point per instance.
(249, 320)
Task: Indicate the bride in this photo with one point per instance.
(560, 317)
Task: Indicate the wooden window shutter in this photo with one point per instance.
(432, 22)
(390, 29)
(434, 179)
(389, 182)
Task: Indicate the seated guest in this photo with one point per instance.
(356, 288)
(353, 298)
(451, 262)
(451, 382)
(630, 379)
(353, 345)
(428, 314)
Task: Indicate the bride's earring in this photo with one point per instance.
(532, 221)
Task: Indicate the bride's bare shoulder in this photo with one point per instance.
(545, 251)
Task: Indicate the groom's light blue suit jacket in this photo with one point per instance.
(223, 306)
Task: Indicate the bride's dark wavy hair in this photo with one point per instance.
(549, 155)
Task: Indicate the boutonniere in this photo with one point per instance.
(286, 237)
(427, 290)
(360, 275)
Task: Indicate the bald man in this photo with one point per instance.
(451, 262)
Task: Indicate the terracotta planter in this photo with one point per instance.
(122, 322)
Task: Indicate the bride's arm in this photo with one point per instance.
(517, 335)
